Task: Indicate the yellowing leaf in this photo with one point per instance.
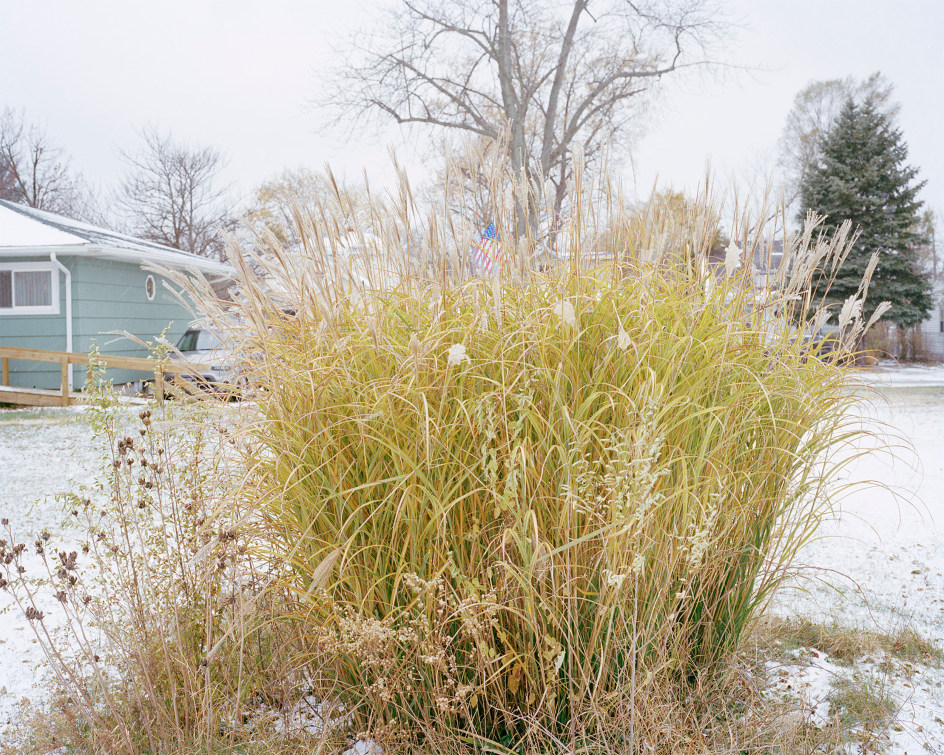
(514, 680)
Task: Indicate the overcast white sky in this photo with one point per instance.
(238, 75)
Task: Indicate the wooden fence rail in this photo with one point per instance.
(62, 397)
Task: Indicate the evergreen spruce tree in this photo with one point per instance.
(863, 177)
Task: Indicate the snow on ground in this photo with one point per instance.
(880, 564)
(892, 375)
(885, 549)
(42, 453)
(883, 557)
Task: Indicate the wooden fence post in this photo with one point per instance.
(64, 365)
(5, 371)
(159, 385)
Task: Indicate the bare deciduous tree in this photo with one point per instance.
(33, 172)
(276, 199)
(548, 77)
(930, 252)
(171, 195)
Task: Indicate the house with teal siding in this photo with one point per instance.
(66, 284)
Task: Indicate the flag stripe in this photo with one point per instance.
(487, 253)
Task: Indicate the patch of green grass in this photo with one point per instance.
(908, 645)
(846, 644)
(862, 706)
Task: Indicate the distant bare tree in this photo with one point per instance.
(814, 109)
(33, 172)
(275, 200)
(930, 252)
(171, 195)
(549, 77)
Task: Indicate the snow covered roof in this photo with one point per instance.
(27, 231)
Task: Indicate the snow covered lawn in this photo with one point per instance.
(880, 565)
(42, 452)
(883, 557)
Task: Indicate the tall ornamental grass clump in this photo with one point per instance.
(531, 508)
(517, 509)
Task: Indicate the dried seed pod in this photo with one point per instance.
(33, 615)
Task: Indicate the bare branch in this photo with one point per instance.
(549, 77)
(170, 195)
(33, 172)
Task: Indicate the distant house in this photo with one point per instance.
(65, 284)
(932, 329)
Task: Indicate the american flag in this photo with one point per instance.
(487, 254)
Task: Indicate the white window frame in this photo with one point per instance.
(14, 268)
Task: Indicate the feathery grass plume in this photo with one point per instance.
(548, 529)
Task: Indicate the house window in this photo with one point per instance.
(28, 288)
